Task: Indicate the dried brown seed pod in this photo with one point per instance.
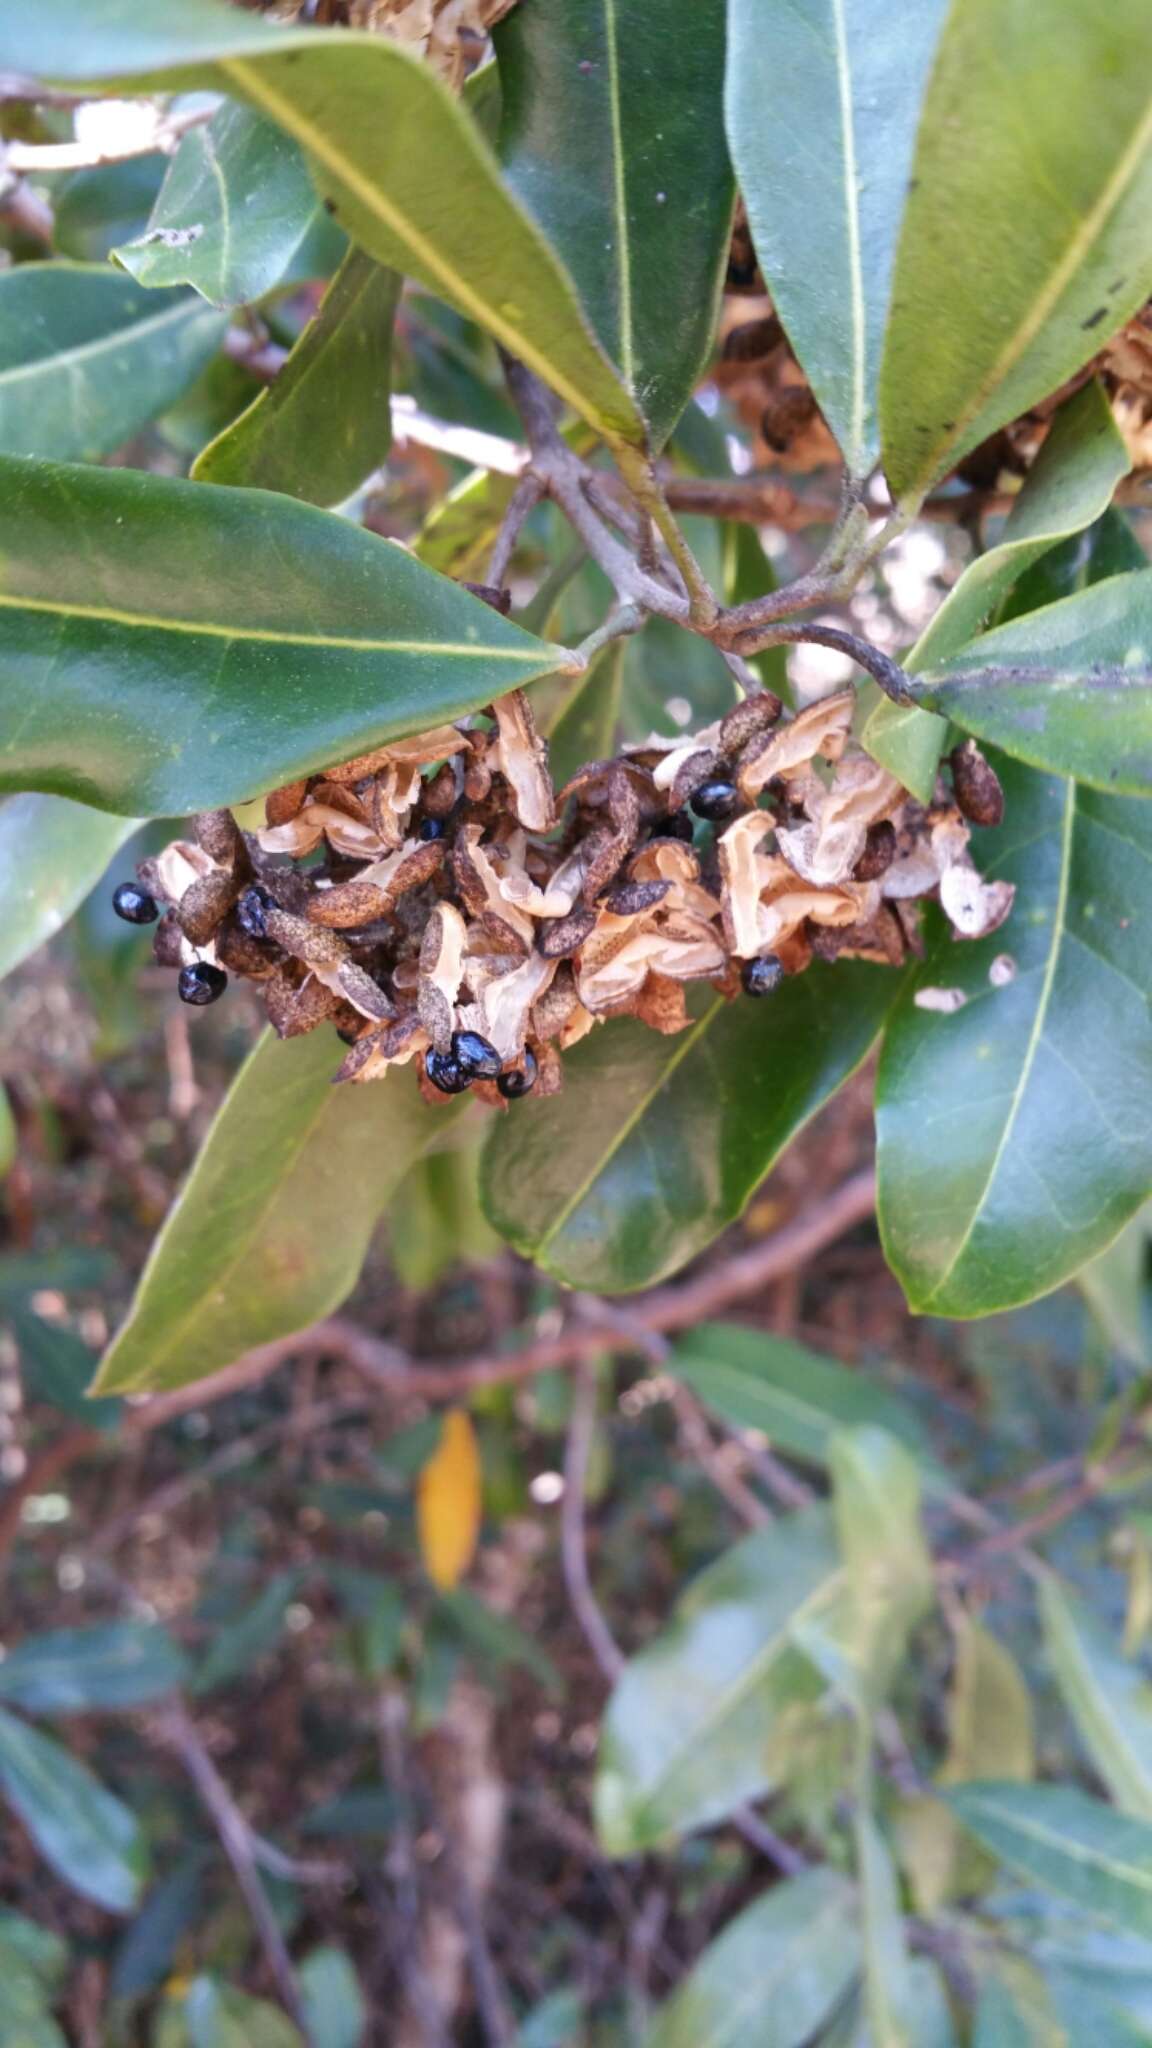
(879, 852)
(977, 785)
(756, 714)
(560, 937)
(753, 341)
(220, 835)
(786, 416)
(168, 942)
(205, 902)
(282, 805)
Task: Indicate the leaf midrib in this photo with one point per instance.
(852, 224)
(1035, 1038)
(290, 115)
(1065, 1845)
(210, 629)
(1087, 233)
(1095, 1703)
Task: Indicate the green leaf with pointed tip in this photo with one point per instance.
(270, 1229)
(1108, 1697)
(823, 98)
(114, 1666)
(87, 357)
(326, 421)
(93, 210)
(1077, 1847)
(169, 646)
(1069, 485)
(612, 137)
(1015, 1134)
(88, 1836)
(796, 1397)
(1068, 689)
(407, 170)
(1108, 548)
(52, 853)
(656, 1143)
(687, 1733)
(237, 214)
(1053, 186)
(773, 1976)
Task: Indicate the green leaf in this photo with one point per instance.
(586, 727)
(8, 1138)
(88, 1836)
(333, 2001)
(749, 573)
(887, 1984)
(1116, 1287)
(773, 1976)
(1015, 1135)
(1052, 185)
(1109, 1698)
(407, 170)
(76, 1670)
(823, 99)
(796, 1397)
(145, 1955)
(1068, 688)
(94, 209)
(87, 357)
(1055, 1836)
(612, 137)
(890, 1581)
(1017, 2014)
(657, 1143)
(238, 213)
(190, 668)
(56, 1367)
(271, 1227)
(326, 421)
(218, 2016)
(1069, 485)
(1107, 549)
(687, 1734)
(238, 1645)
(51, 854)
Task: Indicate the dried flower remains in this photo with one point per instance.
(438, 903)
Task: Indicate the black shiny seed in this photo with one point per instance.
(475, 1056)
(518, 1081)
(250, 912)
(715, 800)
(445, 1073)
(763, 976)
(134, 904)
(201, 984)
(431, 828)
(677, 825)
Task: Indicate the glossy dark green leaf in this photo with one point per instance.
(95, 209)
(1057, 1837)
(75, 1670)
(407, 169)
(657, 1143)
(271, 1227)
(687, 1734)
(238, 213)
(774, 1975)
(1015, 1135)
(823, 99)
(1052, 185)
(51, 854)
(203, 644)
(797, 1398)
(326, 421)
(612, 136)
(87, 357)
(1068, 688)
(1108, 548)
(88, 1836)
(1068, 487)
(56, 1367)
(1108, 1697)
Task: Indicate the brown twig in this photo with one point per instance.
(179, 1731)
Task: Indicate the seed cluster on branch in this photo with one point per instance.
(437, 902)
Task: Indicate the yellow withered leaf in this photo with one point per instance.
(448, 1502)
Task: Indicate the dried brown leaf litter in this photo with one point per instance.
(438, 902)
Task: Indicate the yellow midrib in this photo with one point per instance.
(211, 629)
(852, 215)
(620, 197)
(457, 289)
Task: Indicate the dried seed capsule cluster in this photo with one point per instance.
(438, 903)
